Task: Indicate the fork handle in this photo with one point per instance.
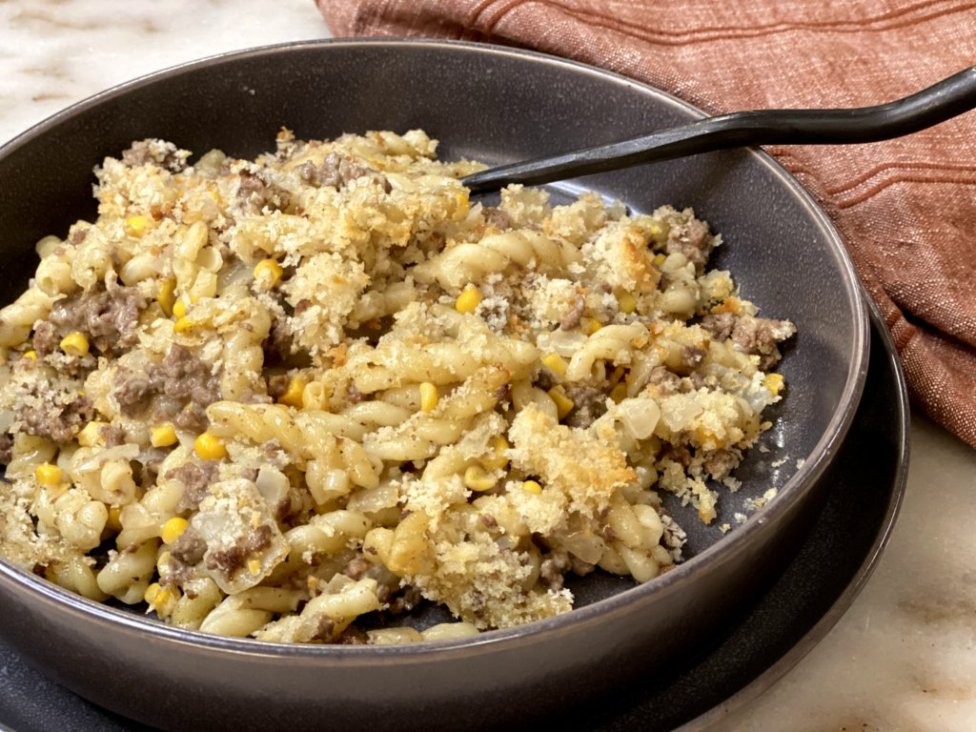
(937, 103)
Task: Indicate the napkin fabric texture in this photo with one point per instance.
(906, 208)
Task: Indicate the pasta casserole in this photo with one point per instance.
(292, 398)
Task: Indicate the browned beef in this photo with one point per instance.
(497, 218)
(232, 559)
(165, 155)
(337, 171)
(189, 548)
(110, 319)
(196, 478)
(692, 240)
(54, 420)
(590, 403)
(6, 448)
(181, 377)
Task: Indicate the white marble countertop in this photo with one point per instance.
(902, 658)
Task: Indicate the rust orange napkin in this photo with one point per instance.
(906, 208)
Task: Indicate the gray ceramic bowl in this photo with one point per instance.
(497, 105)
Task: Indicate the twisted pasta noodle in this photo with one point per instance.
(327, 614)
(472, 261)
(614, 343)
(127, 574)
(333, 463)
(375, 304)
(29, 452)
(74, 573)
(452, 416)
(17, 319)
(395, 363)
(53, 275)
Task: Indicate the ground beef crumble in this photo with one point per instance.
(196, 478)
(182, 378)
(108, 316)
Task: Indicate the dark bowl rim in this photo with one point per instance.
(805, 476)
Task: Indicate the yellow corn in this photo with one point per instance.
(210, 447)
(167, 296)
(626, 302)
(531, 486)
(659, 259)
(428, 396)
(254, 567)
(555, 363)
(75, 344)
(182, 325)
(48, 475)
(498, 457)
(564, 405)
(161, 599)
(468, 300)
(137, 225)
(179, 309)
(293, 394)
(477, 479)
(659, 231)
(268, 272)
(618, 393)
(173, 529)
(91, 434)
(31, 354)
(775, 383)
(163, 436)
(591, 325)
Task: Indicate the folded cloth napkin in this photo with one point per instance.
(906, 208)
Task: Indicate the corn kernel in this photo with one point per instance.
(268, 273)
(775, 383)
(137, 225)
(179, 309)
(555, 363)
(590, 325)
(48, 475)
(182, 325)
(477, 479)
(293, 394)
(564, 405)
(498, 457)
(210, 447)
(659, 231)
(91, 434)
(659, 259)
(428, 396)
(167, 296)
(163, 436)
(152, 593)
(254, 567)
(31, 354)
(161, 599)
(626, 302)
(75, 344)
(173, 529)
(618, 393)
(531, 486)
(468, 300)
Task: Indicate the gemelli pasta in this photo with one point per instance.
(292, 398)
